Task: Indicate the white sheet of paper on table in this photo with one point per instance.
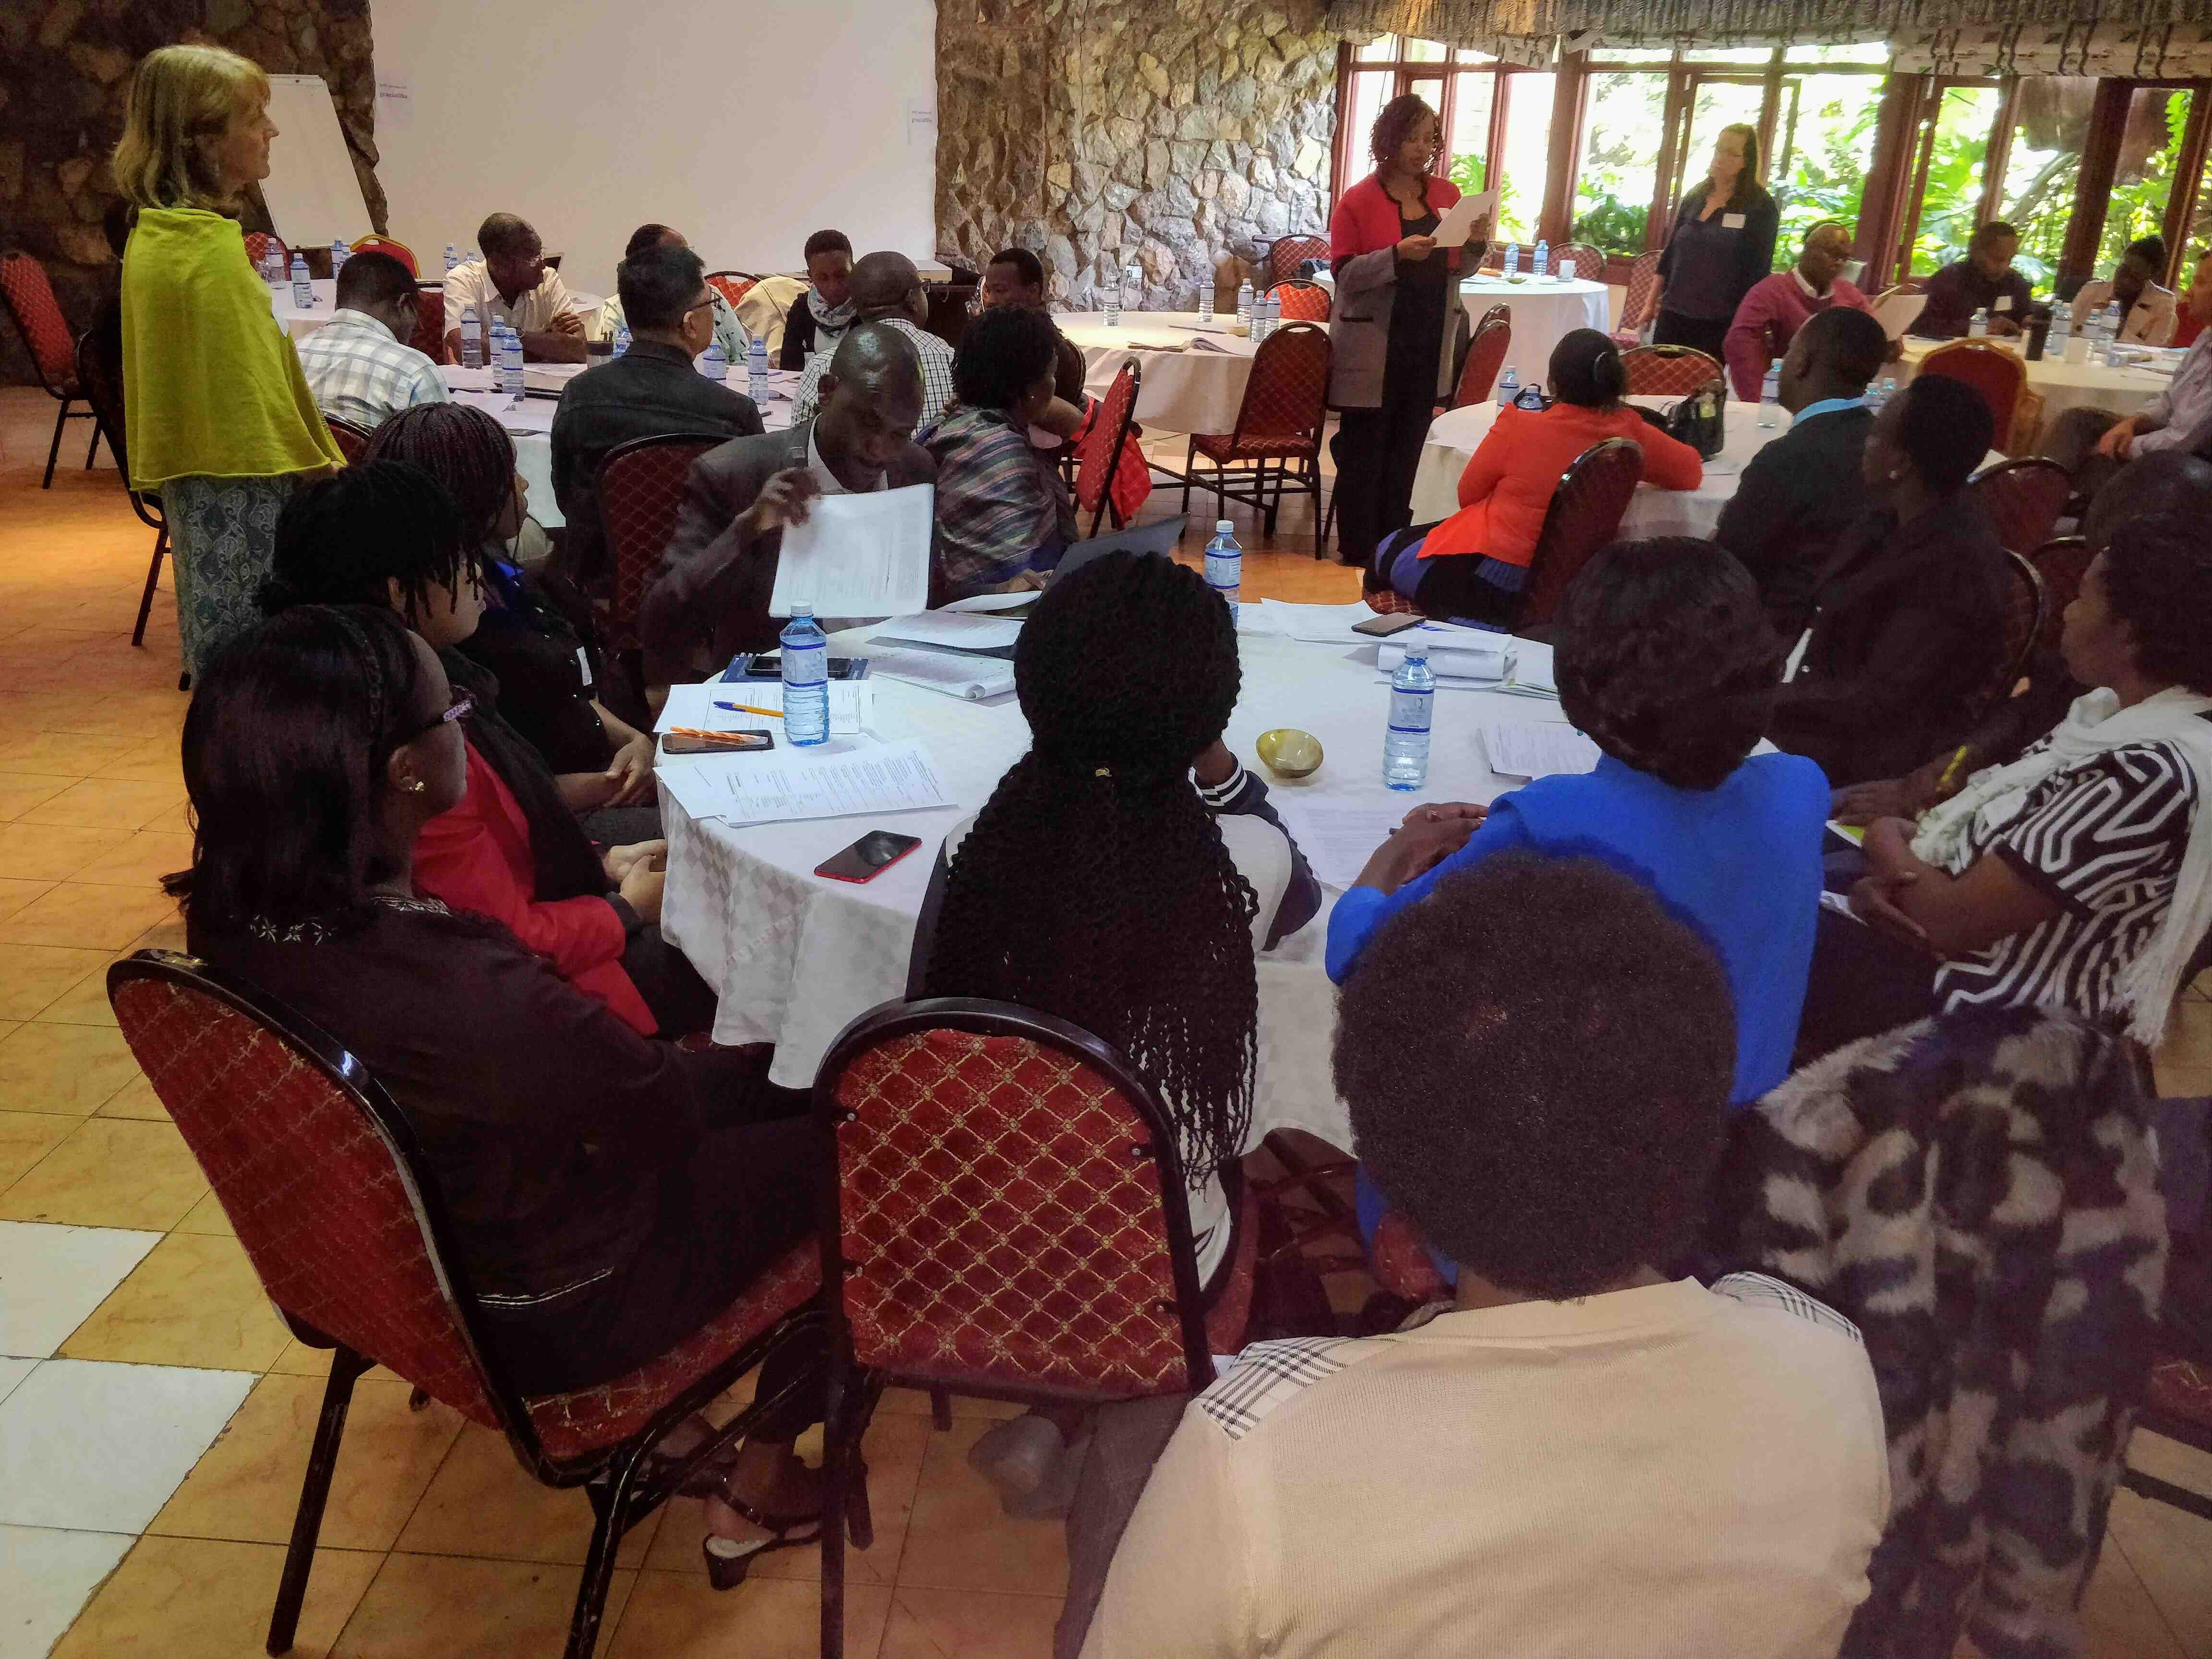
(989, 602)
(788, 786)
(858, 555)
(961, 630)
(953, 672)
(1532, 749)
(1474, 658)
(1338, 837)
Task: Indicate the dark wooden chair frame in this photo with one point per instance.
(1269, 477)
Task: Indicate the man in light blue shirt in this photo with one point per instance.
(359, 365)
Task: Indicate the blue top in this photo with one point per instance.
(1741, 863)
(1830, 406)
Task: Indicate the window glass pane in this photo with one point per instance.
(1424, 51)
(1468, 164)
(1761, 55)
(1632, 54)
(1469, 55)
(1954, 195)
(1430, 89)
(1719, 104)
(2050, 121)
(1370, 89)
(1874, 53)
(1824, 132)
(1384, 50)
(2149, 149)
(1522, 169)
(1625, 132)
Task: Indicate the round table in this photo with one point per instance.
(1543, 313)
(302, 321)
(1454, 435)
(794, 957)
(1187, 386)
(2063, 386)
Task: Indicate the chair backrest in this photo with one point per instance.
(640, 490)
(400, 251)
(2023, 624)
(1993, 371)
(2060, 564)
(430, 321)
(351, 437)
(1288, 253)
(1286, 398)
(1638, 305)
(1500, 313)
(257, 244)
(1301, 301)
(29, 298)
(1100, 451)
(2022, 501)
(1590, 261)
(100, 383)
(731, 285)
(316, 1169)
(1484, 357)
(1668, 371)
(1006, 1210)
(1584, 516)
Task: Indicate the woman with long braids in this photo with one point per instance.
(1123, 876)
(1396, 292)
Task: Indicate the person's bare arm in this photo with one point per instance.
(1061, 419)
(630, 764)
(1987, 902)
(555, 344)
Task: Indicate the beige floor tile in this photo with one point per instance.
(195, 1300)
(26, 1137)
(63, 1068)
(141, 861)
(84, 913)
(196, 1598)
(168, 936)
(33, 976)
(84, 1003)
(52, 852)
(925, 1624)
(136, 1099)
(2119, 1621)
(2169, 1459)
(675, 1616)
(177, 820)
(156, 760)
(248, 1486)
(483, 1503)
(895, 1449)
(20, 791)
(62, 752)
(298, 1359)
(15, 894)
(960, 1538)
(436, 1607)
(112, 1172)
(2171, 1553)
(108, 804)
(208, 1216)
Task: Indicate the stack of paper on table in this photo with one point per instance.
(956, 673)
(858, 555)
(1528, 673)
(852, 707)
(1479, 659)
(844, 780)
(1337, 836)
(962, 631)
(1529, 749)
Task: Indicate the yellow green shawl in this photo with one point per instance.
(211, 385)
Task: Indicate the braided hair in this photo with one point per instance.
(346, 539)
(1094, 884)
(462, 447)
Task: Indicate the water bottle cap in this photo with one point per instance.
(1223, 526)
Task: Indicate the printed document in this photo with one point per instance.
(858, 555)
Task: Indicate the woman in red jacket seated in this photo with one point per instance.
(1472, 566)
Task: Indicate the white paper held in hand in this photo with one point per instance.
(1337, 836)
(858, 555)
(1459, 218)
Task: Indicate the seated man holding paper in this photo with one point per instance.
(1003, 515)
(713, 586)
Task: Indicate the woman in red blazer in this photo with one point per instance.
(1395, 290)
(1472, 565)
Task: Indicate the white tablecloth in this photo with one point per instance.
(300, 322)
(1456, 433)
(2063, 386)
(794, 957)
(1185, 387)
(1543, 312)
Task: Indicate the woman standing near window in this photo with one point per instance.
(1394, 291)
(216, 413)
(1723, 242)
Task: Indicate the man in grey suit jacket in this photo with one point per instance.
(711, 587)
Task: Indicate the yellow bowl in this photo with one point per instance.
(1288, 752)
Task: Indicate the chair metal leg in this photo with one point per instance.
(1189, 462)
(836, 1465)
(54, 449)
(940, 1409)
(153, 575)
(346, 1366)
(610, 1491)
(92, 448)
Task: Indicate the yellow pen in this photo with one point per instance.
(747, 709)
(1951, 772)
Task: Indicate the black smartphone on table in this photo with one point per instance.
(1382, 627)
(868, 857)
(771, 668)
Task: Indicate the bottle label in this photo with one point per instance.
(1409, 709)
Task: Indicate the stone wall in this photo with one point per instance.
(1168, 132)
(66, 77)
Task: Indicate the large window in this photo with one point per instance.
(1824, 139)
(1950, 166)
(1464, 88)
(2144, 183)
(1624, 130)
(2050, 123)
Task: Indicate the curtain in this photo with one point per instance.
(2167, 52)
(1933, 25)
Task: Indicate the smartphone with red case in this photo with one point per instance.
(868, 857)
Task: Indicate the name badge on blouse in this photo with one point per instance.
(583, 666)
(2004, 303)
(1731, 221)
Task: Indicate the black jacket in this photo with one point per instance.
(1799, 498)
(650, 391)
(1909, 635)
(1755, 247)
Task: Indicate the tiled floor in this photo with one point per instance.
(154, 1416)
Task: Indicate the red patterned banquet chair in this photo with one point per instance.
(1668, 371)
(430, 321)
(2022, 501)
(1301, 301)
(1484, 357)
(100, 372)
(1102, 452)
(400, 251)
(1006, 1219)
(1288, 253)
(1590, 261)
(731, 285)
(1641, 302)
(2061, 562)
(640, 490)
(257, 244)
(1584, 516)
(1500, 313)
(325, 1182)
(350, 438)
(1277, 442)
(1999, 374)
(29, 298)
(2023, 623)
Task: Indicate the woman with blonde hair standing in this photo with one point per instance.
(216, 413)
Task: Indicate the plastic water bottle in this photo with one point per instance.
(1509, 386)
(1412, 698)
(471, 339)
(1274, 314)
(1225, 564)
(1770, 394)
(452, 260)
(1887, 390)
(1542, 266)
(1206, 300)
(303, 290)
(510, 363)
(757, 368)
(1244, 302)
(1114, 301)
(1513, 259)
(272, 266)
(1132, 286)
(339, 255)
(1978, 329)
(2061, 326)
(714, 363)
(806, 679)
(2110, 330)
(622, 339)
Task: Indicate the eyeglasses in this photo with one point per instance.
(464, 705)
(700, 306)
